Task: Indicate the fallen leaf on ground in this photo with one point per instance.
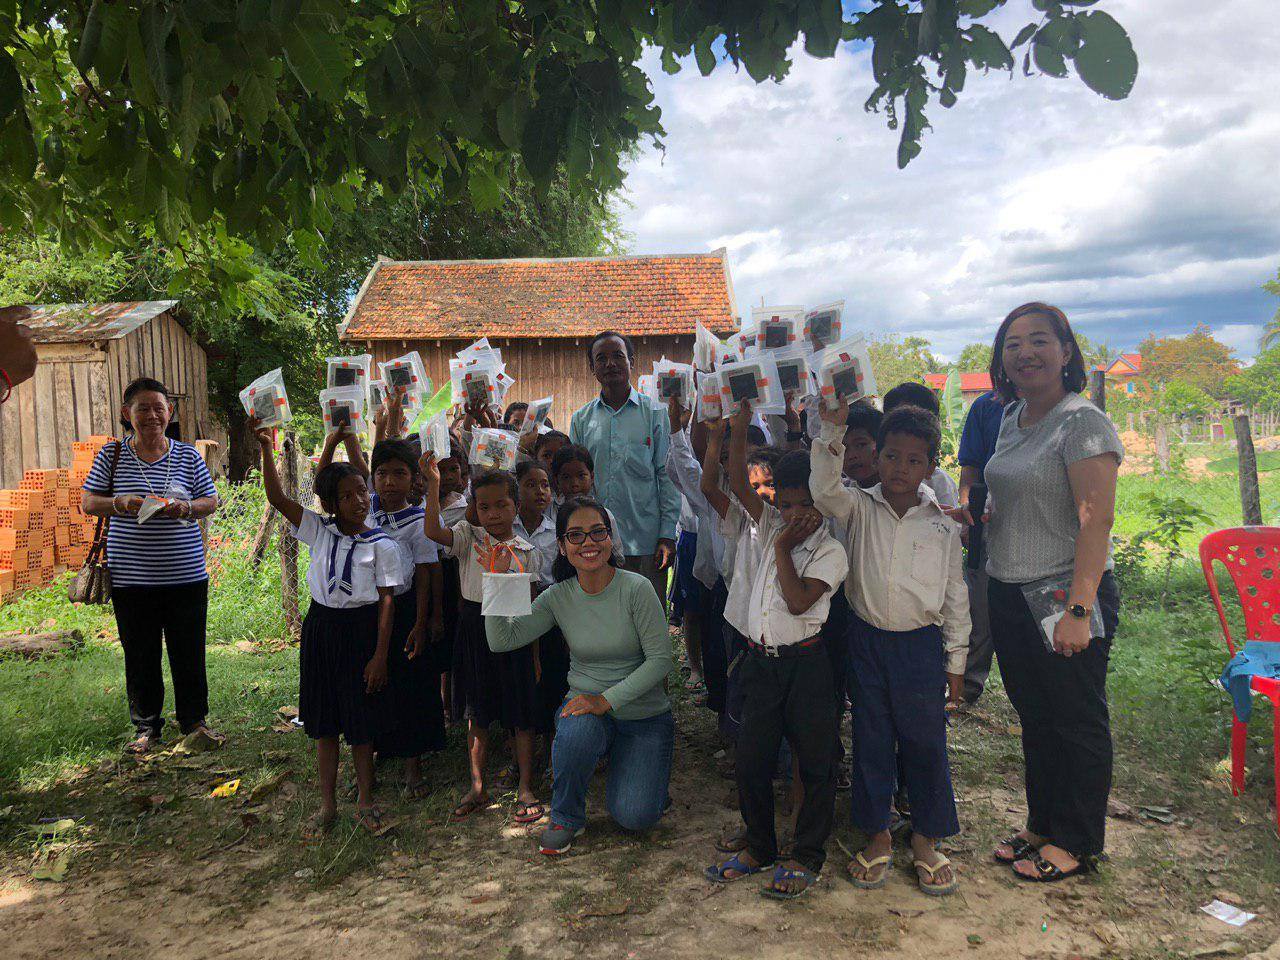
(287, 712)
(483, 898)
(267, 787)
(226, 789)
(55, 827)
(606, 910)
(1119, 810)
(51, 865)
(245, 646)
(153, 801)
(906, 914)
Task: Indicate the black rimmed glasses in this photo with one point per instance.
(579, 537)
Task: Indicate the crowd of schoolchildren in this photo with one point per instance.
(816, 573)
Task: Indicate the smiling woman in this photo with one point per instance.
(620, 655)
(151, 490)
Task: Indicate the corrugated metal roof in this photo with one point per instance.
(78, 322)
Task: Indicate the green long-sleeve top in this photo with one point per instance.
(618, 641)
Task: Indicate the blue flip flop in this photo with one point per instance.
(716, 872)
(784, 873)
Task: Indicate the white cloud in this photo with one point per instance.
(1149, 214)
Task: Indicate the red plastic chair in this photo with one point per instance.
(1252, 558)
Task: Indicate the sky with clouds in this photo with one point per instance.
(1146, 215)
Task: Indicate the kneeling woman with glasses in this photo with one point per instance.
(619, 657)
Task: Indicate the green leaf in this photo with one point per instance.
(1106, 60)
(18, 147)
(1048, 58)
(947, 97)
(952, 402)
(144, 182)
(90, 38)
(577, 145)
(511, 119)
(156, 27)
(541, 142)
(986, 49)
(1025, 34)
(669, 62)
(977, 8)
(254, 102)
(485, 190)
(927, 38)
(113, 46)
(703, 53)
(10, 86)
(316, 57)
(251, 14)
(285, 12)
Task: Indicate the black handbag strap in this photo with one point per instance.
(104, 523)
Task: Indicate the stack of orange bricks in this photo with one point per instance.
(42, 530)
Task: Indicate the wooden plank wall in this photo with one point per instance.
(164, 350)
(65, 401)
(541, 367)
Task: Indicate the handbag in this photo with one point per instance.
(92, 584)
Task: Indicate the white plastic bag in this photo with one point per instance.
(473, 382)
(823, 325)
(348, 371)
(794, 373)
(507, 594)
(433, 438)
(647, 384)
(267, 400)
(493, 450)
(343, 408)
(673, 380)
(754, 380)
(708, 349)
(377, 397)
(536, 415)
(844, 372)
(777, 328)
(744, 342)
(709, 404)
(408, 375)
(481, 350)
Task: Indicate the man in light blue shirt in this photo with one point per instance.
(628, 438)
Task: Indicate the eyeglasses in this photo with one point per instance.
(579, 537)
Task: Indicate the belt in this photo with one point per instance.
(788, 650)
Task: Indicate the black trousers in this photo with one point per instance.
(145, 615)
(791, 696)
(714, 662)
(1066, 727)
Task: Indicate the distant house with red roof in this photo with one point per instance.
(541, 313)
(1124, 371)
(972, 385)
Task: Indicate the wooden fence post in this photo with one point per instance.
(1098, 389)
(1250, 500)
(1128, 420)
(1162, 446)
(289, 545)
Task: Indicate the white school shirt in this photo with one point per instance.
(686, 474)
(741, 541)
(904, 572)
(543, 538)
(454, 510)
(819, 557)
(470, 572)
(406, 529)
(347, 571)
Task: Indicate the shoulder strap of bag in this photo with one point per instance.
(100, 532)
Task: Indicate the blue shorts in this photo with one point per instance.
(686, 591)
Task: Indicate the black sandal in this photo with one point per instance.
(1023, 849)
(1047, 872)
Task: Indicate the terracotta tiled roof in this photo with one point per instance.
(571, 297)
(978, 382)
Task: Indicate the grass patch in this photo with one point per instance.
(1268, 460)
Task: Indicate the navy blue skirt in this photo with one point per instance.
(336, 647)
(415, 717)
(491, 687)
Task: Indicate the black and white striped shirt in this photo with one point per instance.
(162, 551)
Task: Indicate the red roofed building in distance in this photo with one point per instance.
(541, 313)
(972, 385)
(1124, 372)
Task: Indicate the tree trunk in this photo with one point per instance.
(1098, 389)
(242, 448)
(1162, 447)
(1250, 501)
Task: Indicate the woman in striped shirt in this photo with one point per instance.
(159, 582)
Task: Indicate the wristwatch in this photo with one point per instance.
(1079, 611)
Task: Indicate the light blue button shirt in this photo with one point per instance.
(629, 447)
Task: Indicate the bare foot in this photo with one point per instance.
(319, 823)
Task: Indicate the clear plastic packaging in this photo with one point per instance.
(267, 400)
(433, 438)
(777, 328)
(343, 408)
(377, 397)
(673, 380)
(474, 381)
(349, 371)
(710, 406)
(744, 342)
(493, 450)
(844, 372)
(647, 384)
(823, 325)
(480, 350)
(535, 417)
(407, 374)
(794, 372)
(1047, 601)
(754, 380)
(708, 349)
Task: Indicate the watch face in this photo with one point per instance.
(1078, 610)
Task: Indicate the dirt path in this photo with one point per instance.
(478, 889)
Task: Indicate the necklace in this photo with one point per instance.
(142, 467)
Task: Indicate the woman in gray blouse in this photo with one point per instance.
(1053, 598)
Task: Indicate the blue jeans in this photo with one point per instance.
(639, 753)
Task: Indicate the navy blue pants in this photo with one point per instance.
(898, 682)
(713, 647)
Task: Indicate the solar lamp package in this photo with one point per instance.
(777, 328)
(406, 375)
(673, 381)
(754, 381)
(794, 373)
(844, 372)
(535, 417)
(709, 403)
(343, 408)
(377, 397)
(433, 438)
(267, 400)
(709, 350)
(744, 342)
(493, 450)
(348, 371)
(823, 325)
(647, 384)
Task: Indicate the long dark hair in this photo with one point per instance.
(562, 569)
(1073, 375)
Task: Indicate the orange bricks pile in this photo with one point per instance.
(42, 531)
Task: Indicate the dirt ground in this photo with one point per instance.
(479, 889)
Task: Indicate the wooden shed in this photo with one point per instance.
(88, 354)
(541, 313)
